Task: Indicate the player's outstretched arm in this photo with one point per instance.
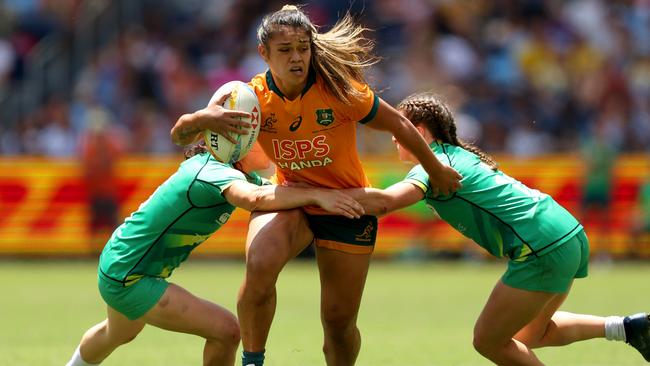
(272, 198)
(214, 117)
(382, 201)
(443, 178)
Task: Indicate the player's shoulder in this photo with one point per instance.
(218, 169)
(364, 97)
(450, 151)
(258, 83)
(205, 167)
(360, 86)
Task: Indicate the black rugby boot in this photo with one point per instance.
(637, 333)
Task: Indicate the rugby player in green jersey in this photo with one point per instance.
(546, 246)
(182, 213)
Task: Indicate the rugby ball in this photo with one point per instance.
(242, 98)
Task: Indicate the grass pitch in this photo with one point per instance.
(412, 313)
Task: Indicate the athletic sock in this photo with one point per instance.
(614, 329)
(76, 360)
(252, 358)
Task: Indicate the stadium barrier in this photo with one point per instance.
(44, 209)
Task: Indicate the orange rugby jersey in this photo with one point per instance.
(312, 139)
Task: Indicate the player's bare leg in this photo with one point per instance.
(273, 239)
(343, 278)
(558, 328)
(102, 339)
(506, 312)
(180, 311)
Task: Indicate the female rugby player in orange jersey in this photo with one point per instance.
(311, 98)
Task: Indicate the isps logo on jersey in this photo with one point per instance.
(300, 154)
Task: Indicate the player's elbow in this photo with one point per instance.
(177, 132)
(174, 132)
(382, 210)
(376, 211)
(257, 199)
(383, 207)
(376, 206)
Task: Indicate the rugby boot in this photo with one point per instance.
(637, 333)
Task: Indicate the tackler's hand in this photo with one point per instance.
(446, 182)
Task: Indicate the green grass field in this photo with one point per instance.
(412, 313)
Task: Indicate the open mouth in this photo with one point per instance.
(296, 69)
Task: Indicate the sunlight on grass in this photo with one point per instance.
(412, 313)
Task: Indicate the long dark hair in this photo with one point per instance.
(339, 56)
(428, 110)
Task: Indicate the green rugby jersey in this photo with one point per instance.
(182, 213)
(496, 211)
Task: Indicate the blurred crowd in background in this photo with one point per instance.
(94, 80)
(525, 77)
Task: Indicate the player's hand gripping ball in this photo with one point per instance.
(242, 98)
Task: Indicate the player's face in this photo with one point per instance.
(288, 55)
(404, 155)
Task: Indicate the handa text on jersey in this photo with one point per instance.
(311, 153)
(297, 165)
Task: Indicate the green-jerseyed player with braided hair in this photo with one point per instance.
(546, 246)
(182, 213)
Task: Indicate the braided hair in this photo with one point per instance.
(428, 110)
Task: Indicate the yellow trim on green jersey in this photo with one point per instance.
(180, 215)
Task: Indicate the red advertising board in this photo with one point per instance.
(44, 208)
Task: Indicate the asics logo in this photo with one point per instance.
(295, 124)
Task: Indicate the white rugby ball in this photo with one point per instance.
(242, 98)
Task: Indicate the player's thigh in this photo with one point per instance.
(134, 300)
(120, 327)
(507, 311)
(343, 250)
(179, 310)
(277, 236)
(534, 331)
(552, 272)
(343, 277)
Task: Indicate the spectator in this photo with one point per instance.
(100, 148)
(561, 58)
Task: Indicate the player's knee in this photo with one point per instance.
(338, 319)
(128, 338)
(116, 336)
(228, 334)
(119, 339)
(483, 344)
